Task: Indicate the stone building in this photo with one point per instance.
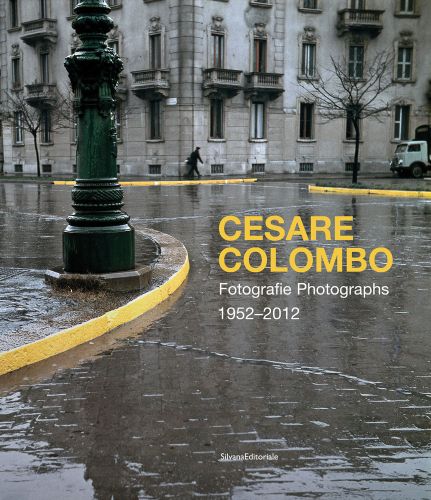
(224, 75)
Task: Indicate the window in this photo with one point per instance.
(309, 4)
(18, 168)
(155, 120)
(414, 148)
(357, 4)
(216, 119)
(16, 73)
(306, 120)
(13, 13)
(402, 122)
(114, 45)
(356, 61)
(259, 55)
(258, 128)
(45, 128)
(407, 7)
(43, 9)
(18, 127)
(350, 129)
(308, 60)
(404, 63)
(217, 50)
(47, 169)
(156, 51)
(44, 67)
(114, 3)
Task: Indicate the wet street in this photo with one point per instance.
(334, 405)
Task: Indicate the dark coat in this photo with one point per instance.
(194, 157)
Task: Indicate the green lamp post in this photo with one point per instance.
(98, 238)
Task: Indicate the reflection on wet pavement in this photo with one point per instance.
(30, 242)
(342, 397)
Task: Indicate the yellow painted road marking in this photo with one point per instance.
(375, 192)
(169, 183)
(79, 334)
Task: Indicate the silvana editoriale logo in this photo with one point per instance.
(301, 259)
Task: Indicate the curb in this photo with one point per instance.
(376, 192)
(174, 259)
(169, 183)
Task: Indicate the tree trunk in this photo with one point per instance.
(36, 148)
(356, 159)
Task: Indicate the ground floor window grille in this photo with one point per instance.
(217, 168)
(46, 169)
(306, 167)
(349, 166)
(18, 168)
(258, 168)
(155, 170)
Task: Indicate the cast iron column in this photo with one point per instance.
(98, 238)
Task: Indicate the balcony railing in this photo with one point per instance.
(151, 82)
(222, 81)
(39, 30)
(264, 84)
(41, 94)
(360, 20)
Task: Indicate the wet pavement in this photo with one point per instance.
(338, 403)
(30, 242)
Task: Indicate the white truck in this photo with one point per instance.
(414, 157)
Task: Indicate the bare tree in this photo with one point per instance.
(352, 94)
(32, 116)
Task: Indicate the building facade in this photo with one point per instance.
(222, 74)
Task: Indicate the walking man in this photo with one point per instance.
(193, 163)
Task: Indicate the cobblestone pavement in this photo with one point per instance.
(340, 400)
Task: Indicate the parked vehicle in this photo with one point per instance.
(414, 157)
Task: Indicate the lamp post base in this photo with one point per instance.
(96, 250)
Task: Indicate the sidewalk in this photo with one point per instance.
(39, 322)
(268, 177)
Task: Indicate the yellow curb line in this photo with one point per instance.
(377, 192)
(168, 183)
(79, 334)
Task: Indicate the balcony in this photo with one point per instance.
(263, 85)
(221, 83)
(360, 21)
(151, 83)
(40, 30)
(41, 95)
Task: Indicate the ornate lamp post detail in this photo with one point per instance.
(98, 238)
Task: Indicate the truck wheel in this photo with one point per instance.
(416, 170)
